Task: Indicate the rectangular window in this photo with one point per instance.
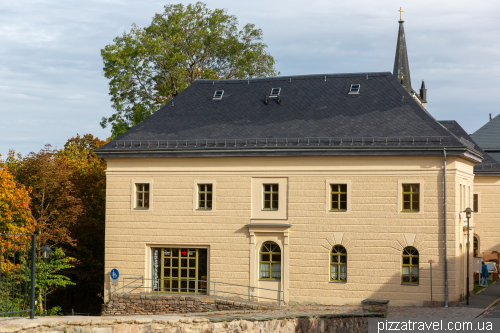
(204, 196)
(338, 196)
(411, 197)
(179, 270)
(468, 196)
(461, 198)
(354, 89)
(142, 196)
(270, 196)
(476, 203)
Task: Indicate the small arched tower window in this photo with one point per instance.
(270, 261)
(338, 264)
(409, 266)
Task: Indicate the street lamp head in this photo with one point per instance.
(468, 212)
(46, 251)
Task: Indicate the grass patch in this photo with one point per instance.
(477, 288)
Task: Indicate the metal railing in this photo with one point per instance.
(199, 287)
(17, 274)
(395, 141)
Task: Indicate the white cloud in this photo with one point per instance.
(51, 83)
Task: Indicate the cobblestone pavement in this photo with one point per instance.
(394, 312)
(442, 313)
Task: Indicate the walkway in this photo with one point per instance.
(486, 298)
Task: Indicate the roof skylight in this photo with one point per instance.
(275, 92)
(218, 94)
(354, 88)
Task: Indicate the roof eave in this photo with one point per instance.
(310, 151)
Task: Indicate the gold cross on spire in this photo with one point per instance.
(401, 13)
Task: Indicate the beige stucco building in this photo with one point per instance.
(487, 187)
(324, 188)
(374, 230)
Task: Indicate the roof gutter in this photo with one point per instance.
(282, 151)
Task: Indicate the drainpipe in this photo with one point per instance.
(445, 237)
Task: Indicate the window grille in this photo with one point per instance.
(338, 196)
(409, 266)
(270, 261)
(338, 264)
(205, 196)
(142, 196)
(411, 197)
(271, 196)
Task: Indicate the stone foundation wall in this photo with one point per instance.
(153, 304)
(340, 323)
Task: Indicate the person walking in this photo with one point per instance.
(484, 275)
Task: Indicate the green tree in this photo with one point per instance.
(48, 276)
(149, 66)
(67, 191)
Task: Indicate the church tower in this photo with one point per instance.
(401, 66)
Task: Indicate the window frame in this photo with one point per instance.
(271, 253)
(133, 195)
(410, 265)
(271, 95)
(159, 266)
(204, 181)
(218, 98)
(354, 92)
(339, 264)
(257, 199)
(271, 200)
(478, 202)
(206, 193)
(328, 198)
(411, 194)
(338, 193)
(421, 184)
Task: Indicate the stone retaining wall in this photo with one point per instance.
(339, 323)
(153, 304)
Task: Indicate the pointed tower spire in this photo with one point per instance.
(401, 66)
(423, 92)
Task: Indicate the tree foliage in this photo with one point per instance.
(49, 276)
(149, 66)
(15, 213)
(67, 201)
(53, 202)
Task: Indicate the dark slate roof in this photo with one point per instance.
(489, 165)
(488, 136)
(316, 113)
(495, 155)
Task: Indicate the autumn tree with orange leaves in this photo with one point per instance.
(67, 201)
(15, 213)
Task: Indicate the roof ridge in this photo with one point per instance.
(303, 76)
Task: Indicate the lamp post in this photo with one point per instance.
(468, 214)
(45, 254)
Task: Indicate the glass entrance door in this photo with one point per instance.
(180, 270)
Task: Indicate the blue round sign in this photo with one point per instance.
(114, 274)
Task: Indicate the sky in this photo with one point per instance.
(52, 85)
